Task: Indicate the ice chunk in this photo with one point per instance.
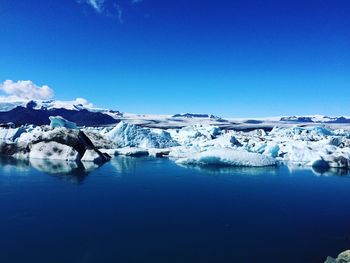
(301, 154)
(194, 135)
(92, 155)
(134, 152)
(302, 133)
(110, 152)
(335, 161)
(53, 151)
(129, 135)
(271, 149)
(343, 257)
(228, 157)
(59, 121)
(224, 141)
(158, 152)
(11, 134)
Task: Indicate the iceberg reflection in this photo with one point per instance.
(219, 169)
(319, 171)
(124, 164)
(67, 170)
(8, 164)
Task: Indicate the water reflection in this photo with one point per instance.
(319, 171)
(271, 170)
(217, 170)
(69, 171)
(124, 164)
(78, 171)
(8, 164)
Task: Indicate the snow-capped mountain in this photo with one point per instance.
(84, 113)
(77, 104)
(315, 119)
(37, 112)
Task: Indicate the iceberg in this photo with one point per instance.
(132, 151)
(11, 134)
(95, 156)
(196, 134)
(53, 151)
(343, 257)
(130, 135)
(228, 157)
(58, 121)
(318, 147)
(54, 144)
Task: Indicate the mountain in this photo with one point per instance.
(297, 119)
(38, 113)
(315, 119)
(199, 116)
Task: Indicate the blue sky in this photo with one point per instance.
(241, 58)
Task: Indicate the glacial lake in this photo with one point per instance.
(151, 210)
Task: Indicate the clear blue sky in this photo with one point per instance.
(231, 58)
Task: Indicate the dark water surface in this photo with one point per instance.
(151, 210)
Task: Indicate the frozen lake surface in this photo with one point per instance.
(151, 210)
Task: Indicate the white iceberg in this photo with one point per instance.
(132, 151)
(92, 155)
(227, 157)
(11, 134)
(195, 135)
(53, 151)
(130, 135)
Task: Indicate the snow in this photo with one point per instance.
(58, 121)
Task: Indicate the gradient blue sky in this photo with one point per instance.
(241, 58)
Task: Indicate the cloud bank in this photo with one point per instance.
(25, 90)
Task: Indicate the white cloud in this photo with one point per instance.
(96, 4)
(25, 90)
(110, 8)
(120, 14)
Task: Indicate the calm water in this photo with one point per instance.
(150, 210)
